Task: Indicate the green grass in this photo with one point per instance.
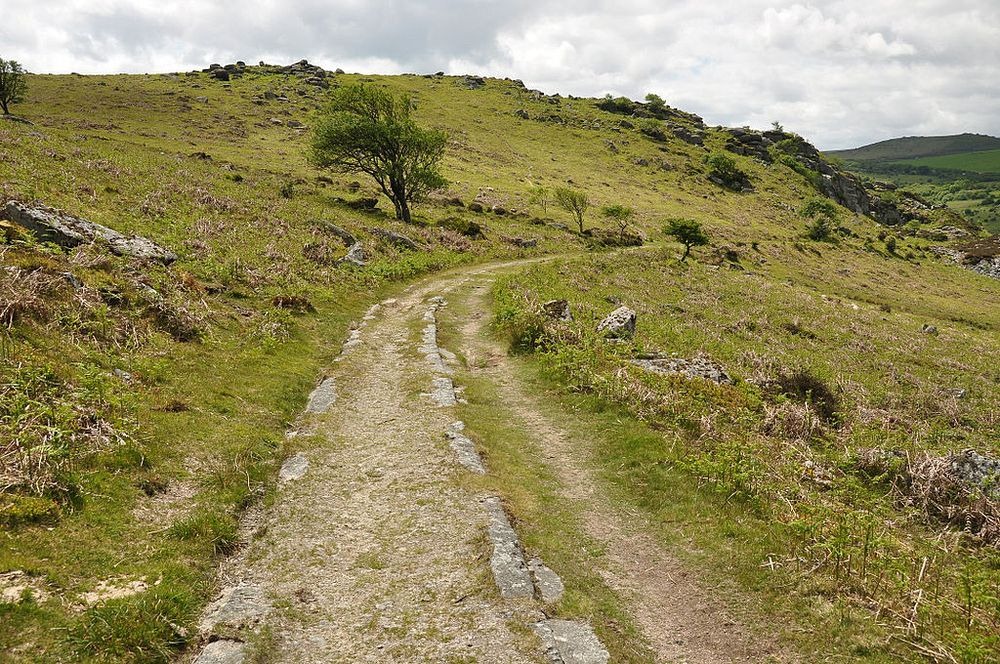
(842, 542)
(199, 381)
(987, 161)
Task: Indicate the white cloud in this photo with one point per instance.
(841, 72)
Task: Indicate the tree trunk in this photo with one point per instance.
(3, 105)
(687, 250)
(404, 211)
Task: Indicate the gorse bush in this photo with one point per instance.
(823, 213)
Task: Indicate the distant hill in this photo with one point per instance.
(913, 147)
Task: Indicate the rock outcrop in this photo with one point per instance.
(67, 231)
(620, 324)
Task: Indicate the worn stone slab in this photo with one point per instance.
(293, 468)
(464, 448)
(507, 562)
(548, 584)
(443, 391)
(223, 651)
(568, 642)
(322, 397)
(68, 231)
(240, 605)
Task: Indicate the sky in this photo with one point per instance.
(842, 73)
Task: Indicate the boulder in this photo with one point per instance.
(68, 231)
(620, 324)
(355, 255)
(558, 309)
(394, 238)
(474, 82)
(524, 243)
(521, 113)
(345, 236)
(699, 366)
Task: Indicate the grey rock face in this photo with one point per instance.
(507, 562)
(240, 606)
(397, 239)
(443, 391)
(568, 642)
(322, 397)
(977, 471)
(696, 367)
(293, 468)
(558, 309)
(620, 324)
(550, 587)
(355, 255)
(464, 448)
(223, 651)
(68, 231)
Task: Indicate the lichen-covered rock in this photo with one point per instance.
(558, 309)
(67, 231)
(699, 366)
(620, 324)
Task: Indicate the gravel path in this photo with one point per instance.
(373, 552)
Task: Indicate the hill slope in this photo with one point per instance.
(913, 147)
(144, 407)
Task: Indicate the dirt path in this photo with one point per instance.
(677, 615)
(372, 550)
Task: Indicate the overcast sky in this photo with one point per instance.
(842, 72)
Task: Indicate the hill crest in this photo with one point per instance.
(913, 147)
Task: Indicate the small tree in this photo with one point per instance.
(573, 201)
(655, 102)
(688, 232)
(823, 214)
(539, 195)
(12, 84)
(723, 168)
(620, 214)
(368, 130)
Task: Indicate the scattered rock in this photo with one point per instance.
(464, 448)
(67, 231)
(239, 606)
(558, 309)
(223, 651)
(365, 204)
(355, 255)
(397, 239)
(345, 236)
(476, 206)
(548, 584)
(293, 468)
(700, 366)
(620, 324)
(927, 328)
(521, 242)
(443, 391)
(323, 397)
(507, 562)
(568, 642)
(474, 82)
(521, 113)
(295, 124)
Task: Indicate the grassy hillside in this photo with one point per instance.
(143, 408)
(961, 172)
(987, 161)
(914, 147)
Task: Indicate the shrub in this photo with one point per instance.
(823, 214)
(723, 170)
